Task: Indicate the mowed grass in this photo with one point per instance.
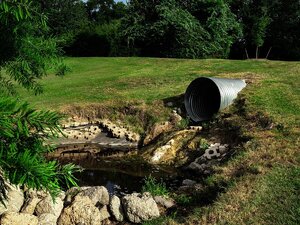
(262, 182)
(103, 80)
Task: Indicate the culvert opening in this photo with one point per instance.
(202, 99)
(205, 96)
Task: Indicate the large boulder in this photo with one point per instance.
(47, 205)
(81, 211)
(15, 199)
(140, 207)
(98, 195)
(116, 208)
(14, 218)
(47, 219)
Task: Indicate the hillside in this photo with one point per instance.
(258, 185)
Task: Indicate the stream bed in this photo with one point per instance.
(120, 175)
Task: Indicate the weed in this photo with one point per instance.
(168, 219)
(154, 187)
(183, 124)
(183, 199)
(203, 145)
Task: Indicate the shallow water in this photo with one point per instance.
(120, 175)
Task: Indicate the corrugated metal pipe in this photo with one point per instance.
(205, 96)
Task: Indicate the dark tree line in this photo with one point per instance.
(169, 28)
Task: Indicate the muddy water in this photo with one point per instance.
(119, 174)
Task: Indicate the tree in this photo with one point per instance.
(255, 17)
(189, 29)
(104, 11)
(23, 130)
(66, 18)
(283, 33)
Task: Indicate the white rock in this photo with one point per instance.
(81, 211)
(29, 205)
(48, 206)
(47, 219)
(116, 208)
(14, 218)
(140, 207)
(165, 202)
(15, 199)
(104, 214)
(97, 194)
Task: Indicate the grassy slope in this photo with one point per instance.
(270, 195)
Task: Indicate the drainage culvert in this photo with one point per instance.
(205, 96)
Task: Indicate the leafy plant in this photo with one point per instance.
(28, 54)
(23, 134)
(154, 187)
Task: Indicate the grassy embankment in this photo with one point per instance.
(262, 183)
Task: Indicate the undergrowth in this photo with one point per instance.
(156, 188)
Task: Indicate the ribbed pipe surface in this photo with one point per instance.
(205, 96)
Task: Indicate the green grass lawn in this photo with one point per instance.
(268, 192)
(103, 80)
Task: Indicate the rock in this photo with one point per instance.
(201, 168)
(14, 218)
(47, 219)
(196, 128)
(15, 199)
(98, 195)
(188, 182)
(29, 205)
(104, 214)
(81, 211)
(161, 151)
(175, 118)
(171, 149)
(31, 193)
(48, 206)
(156, 130)
(116, 208)
(140, 207)
(170, 104)
(62, 195)
(165, 202)
(70, 193)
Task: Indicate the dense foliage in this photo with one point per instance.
(23, 134)
(169, 28)
(25, 58)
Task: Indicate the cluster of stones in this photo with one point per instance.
(119, 132)
(89, 130)
(86, 205)
(204, 163)
(81, 132)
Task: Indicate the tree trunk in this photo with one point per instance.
(268, 52)
(256, 53)
(246, 53)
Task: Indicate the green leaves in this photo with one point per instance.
(23, 132)
(18, 9)
(169, 28)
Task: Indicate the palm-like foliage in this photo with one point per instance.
(24, 58)
(23, 132)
